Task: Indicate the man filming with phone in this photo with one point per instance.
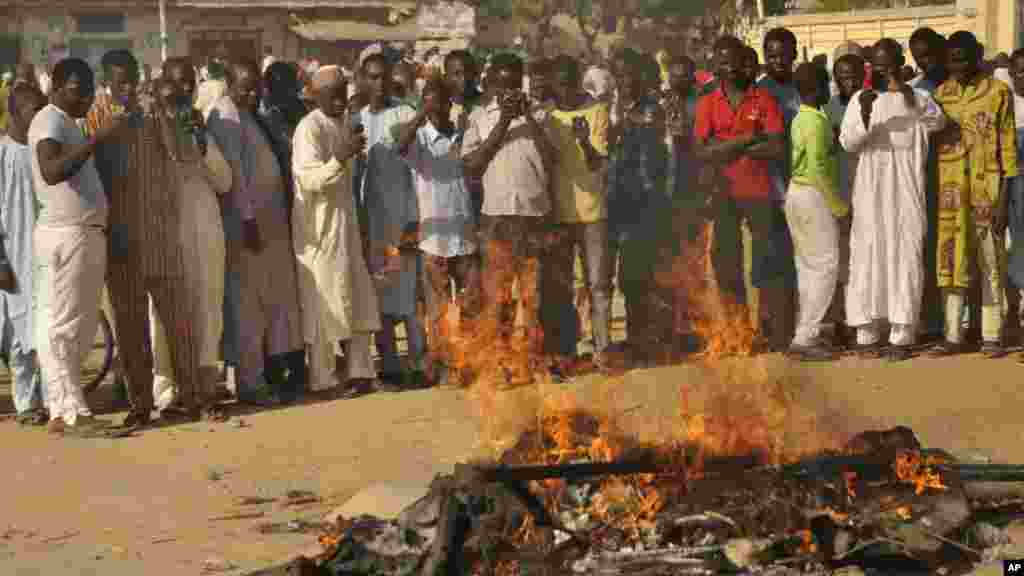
(510, 150)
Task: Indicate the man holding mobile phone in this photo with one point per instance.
(511, 152)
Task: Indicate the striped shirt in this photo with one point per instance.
(138, 175)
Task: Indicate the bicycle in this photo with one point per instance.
(104, 340)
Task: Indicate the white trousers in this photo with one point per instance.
(70, 267)
(164, 387)
(358, 353)
(815, 235)
(899, 334)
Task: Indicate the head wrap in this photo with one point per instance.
(370, 50)
(327, 76)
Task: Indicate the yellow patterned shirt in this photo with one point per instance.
(971, 168)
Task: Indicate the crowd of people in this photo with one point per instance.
(278, 217)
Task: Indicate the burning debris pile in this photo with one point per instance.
(751, 479)
(881, 502)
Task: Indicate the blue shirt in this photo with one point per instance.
(17, 220)
(637, 191)
(789, 102)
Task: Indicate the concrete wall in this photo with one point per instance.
(38, 31)
(822, 33)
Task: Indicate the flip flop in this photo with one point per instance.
(32, 418)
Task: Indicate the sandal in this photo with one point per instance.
(899, 353)
(214, 414)
(36, 417)
(944, 349)
(993, 350)
(135, 420)
(868, 351)
(357, 388)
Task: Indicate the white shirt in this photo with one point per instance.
(446, 211)
(516, 180)
(79, 200)
(1018, 100)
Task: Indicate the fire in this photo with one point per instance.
(742, 405)
(752, 406)
(911, 468)
(489, 349)
(722, 325)
(806, 542)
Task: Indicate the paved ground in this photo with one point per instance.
(144, 505)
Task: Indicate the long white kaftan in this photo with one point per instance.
(889, 218)
(338, 295)
(390, 201)
(17, 221)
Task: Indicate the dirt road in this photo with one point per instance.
(144, 505)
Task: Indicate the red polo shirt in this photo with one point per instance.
(716, 118)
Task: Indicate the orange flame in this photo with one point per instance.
(911, 468)
(748, 406)
(723, 325)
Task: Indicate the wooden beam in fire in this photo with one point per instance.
(874, 466)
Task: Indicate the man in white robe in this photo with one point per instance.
(890, 130)
(339, 301)
(17, 221)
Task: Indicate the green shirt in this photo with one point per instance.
(815, 156)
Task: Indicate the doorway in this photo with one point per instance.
(235, 45)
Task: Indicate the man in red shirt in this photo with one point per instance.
(739, 128)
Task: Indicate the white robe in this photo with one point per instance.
(338, 295)
(889, 217)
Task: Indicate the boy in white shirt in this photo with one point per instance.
(447, 227)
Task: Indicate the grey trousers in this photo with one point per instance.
(559, 279)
